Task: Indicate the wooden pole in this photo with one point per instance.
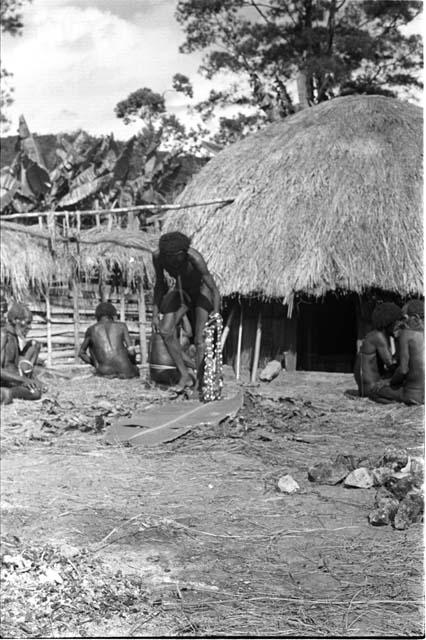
(239, 343)
(124, 210)
(49, 330)
(122, 305)
(227, 328)
(257, 346)
(76, 318)
(142, 324)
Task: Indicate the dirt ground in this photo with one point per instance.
(198, 526)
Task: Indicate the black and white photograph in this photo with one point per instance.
(212, 319)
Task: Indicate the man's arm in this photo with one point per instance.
(384, 351)
(88, 359)
(131, 350)
(201, 266)
(160, 288)
(404, 360)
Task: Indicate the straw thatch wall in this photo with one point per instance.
(28, 266)
(330, 198)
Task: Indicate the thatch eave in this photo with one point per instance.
(328, 199)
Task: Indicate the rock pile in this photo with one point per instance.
(399, 478)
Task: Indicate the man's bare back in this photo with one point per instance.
(108, 343)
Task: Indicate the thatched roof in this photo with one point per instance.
(328, 199)
(27, 264)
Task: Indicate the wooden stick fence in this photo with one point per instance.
(119, 211)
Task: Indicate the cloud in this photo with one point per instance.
(85, 57)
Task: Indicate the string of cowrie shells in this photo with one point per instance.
(213, 374)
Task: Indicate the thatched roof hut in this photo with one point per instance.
(328, 199)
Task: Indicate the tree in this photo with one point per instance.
(332, 48)
(11, 23)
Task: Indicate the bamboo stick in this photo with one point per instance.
(76, 316)
(124, 210)
(227, 328)
(142, 324)
(48, 330)
(40, 220)
(122, 305)
(239, 343)
(257, 346)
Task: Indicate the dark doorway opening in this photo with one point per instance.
(326, 334)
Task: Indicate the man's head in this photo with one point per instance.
(414, 311)
(105, 309)
(414, 308)
(385, 315)
(20, 317)
(174, 247)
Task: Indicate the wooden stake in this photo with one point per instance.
(142, 324)
(49, 330)
(122, 305)
(239, 343)
(76, 318)
(257, 346)
(227, 328)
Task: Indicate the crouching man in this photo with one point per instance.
(18, 357)
(107, 345)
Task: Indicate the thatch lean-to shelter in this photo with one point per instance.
(328, 207)
(64, 274)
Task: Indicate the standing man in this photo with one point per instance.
(195, 293)
(107, 345)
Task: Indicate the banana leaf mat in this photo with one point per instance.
(172, 420)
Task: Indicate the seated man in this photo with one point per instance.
(407, 382)
(195, 293)
(109, 345)
(375, 353)
(16, 371)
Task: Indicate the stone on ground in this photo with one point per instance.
(361, 478)
(287, 484)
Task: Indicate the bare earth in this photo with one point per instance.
(198, 524)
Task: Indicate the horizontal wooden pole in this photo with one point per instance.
(97, 212)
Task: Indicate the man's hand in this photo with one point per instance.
(30, 384)
(155, 324)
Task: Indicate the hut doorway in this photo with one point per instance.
(327, 334)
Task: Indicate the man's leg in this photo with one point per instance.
(168, 333)
(385, 394)
(23, 393)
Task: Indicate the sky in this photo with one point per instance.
(76, 59)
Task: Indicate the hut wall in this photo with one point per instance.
(321, 335)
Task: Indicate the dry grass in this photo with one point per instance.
(330, 198)
(201, 523)
(28, 265)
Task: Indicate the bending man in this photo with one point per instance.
(16, 371)
(107, 345)
(195, 293)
